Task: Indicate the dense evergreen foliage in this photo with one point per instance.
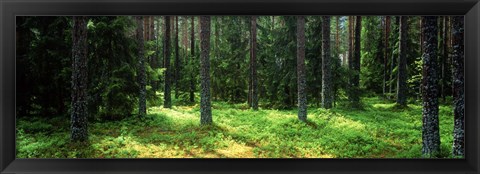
(117, 69)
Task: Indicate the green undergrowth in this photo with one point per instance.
(378, 130)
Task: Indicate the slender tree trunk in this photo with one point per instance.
(430, 133)
(301, 81)
(422, 39)
(402, 63)
(177, 60)
(253, 63)
(354, 64)
(166, 54)
(458, 86)
(79, 114)
(392, 74)
(142, 111)
(327, 95)
(387, 51)
(192, 60)
(205, 106)
(445, 59)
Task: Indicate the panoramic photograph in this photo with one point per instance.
(240, 87)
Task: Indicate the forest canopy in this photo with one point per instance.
(240, 86)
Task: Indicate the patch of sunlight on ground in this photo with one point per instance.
(383, 105)
(345, 123)
(236, 150)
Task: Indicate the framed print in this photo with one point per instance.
(239, 86)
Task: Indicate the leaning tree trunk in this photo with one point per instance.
(302, 95)
(430, 130)
(166, 54)
(205, 106)
(142, 79)
(458, 87)
(253, 63)
(402, 63)
(79, 113)
(327, 95)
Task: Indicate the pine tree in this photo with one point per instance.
(177, 61)
(327, 95)
(166, 54)
(79, 112)
(192, 59)
(142, 111)
(253, 64)
(205, 106)
(430, 130)
(458, 86)
(301, 81)
(402, 63)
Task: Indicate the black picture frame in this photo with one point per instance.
(11, 8)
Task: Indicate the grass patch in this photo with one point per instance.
(379, 130)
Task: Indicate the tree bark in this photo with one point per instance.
(387, 51)
(327, 95)
(166, 54)
(430, 129)
(192, 59)
(253, 63)
(301, 81)
(79, 113)
(177, 61)
(142, 110)
(354, 64)
(205, 106)
(458, 86)
(402, 63)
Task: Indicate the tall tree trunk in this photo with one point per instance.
(354, 64)
(253, 63)
(177, 61)
(79, 112)
(430, 130)
(387, 51)
(166, 54)
(142, 110)
(402, 63)
(392, 74)
(422, 39)
(301, 81)
(327, 95)
(445, 59)
(458, 86)
(192, 60)
(337, 35)
(205, 106)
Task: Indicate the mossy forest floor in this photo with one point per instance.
(380, 130)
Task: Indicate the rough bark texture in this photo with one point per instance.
(430, 129)
(301, 81)
(177, 61)
(205, 106)
(458, 86)
(402, 63)
(253, 63)
(168, 71)
(79, 113)
(192, 55)
(142, 78)
(327, 92)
